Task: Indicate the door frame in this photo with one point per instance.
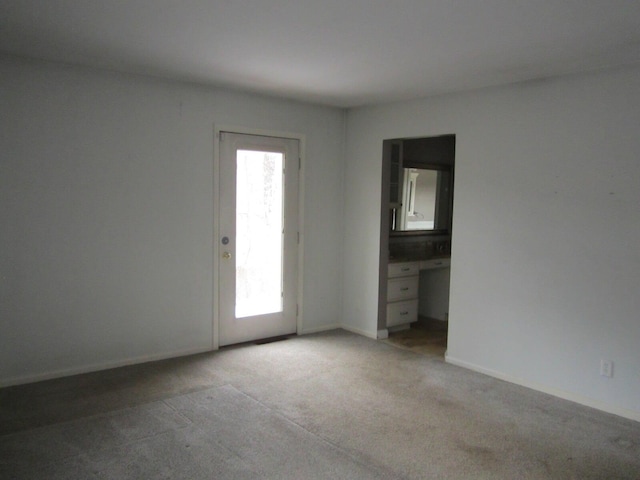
(217, 128)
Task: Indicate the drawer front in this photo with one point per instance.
(405, 269)
(405, 288)
(400, 313)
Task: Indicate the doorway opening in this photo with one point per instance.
(415, 242)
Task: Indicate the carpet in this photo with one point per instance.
(328, 405)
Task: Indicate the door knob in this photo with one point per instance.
(226, 255)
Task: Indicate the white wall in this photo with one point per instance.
(546, 258)
(106, 207)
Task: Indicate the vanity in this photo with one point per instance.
(415, 237)
(402, 293)
(416, 287)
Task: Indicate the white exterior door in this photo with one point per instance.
(258, 237)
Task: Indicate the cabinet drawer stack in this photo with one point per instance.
(402, 293)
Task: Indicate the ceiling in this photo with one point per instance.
(335, 52)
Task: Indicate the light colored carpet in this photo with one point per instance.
(330, 405)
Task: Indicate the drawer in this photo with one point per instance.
(435, 263)
(400, 313)
(404, 288)
(404, 269)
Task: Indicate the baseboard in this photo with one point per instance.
(67, 372)
(556, 392)
(324, 328)
(365, 333)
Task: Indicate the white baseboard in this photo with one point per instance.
(379, 334)
(323, 328)
(556, 392)
(66, 372)
(365, 333)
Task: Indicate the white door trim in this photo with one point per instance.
(216, 220)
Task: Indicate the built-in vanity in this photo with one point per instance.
(404, 291)
(416, 218)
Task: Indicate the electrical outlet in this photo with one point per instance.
(606, 368)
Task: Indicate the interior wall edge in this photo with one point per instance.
(565, 395)
(373, 334)
(322, 328)
(96, 367)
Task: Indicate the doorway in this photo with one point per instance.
(415, 242)
(258, 237)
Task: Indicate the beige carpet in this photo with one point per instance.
(326, 406)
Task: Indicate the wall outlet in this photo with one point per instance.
(606, 368)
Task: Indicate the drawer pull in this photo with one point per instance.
(405, 269)
(404, 289)
(404, 313)
(438, 263)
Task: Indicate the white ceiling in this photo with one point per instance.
(335, 52)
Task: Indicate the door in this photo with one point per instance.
(258, 237)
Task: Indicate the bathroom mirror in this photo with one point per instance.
(425, 200)
(418, 183)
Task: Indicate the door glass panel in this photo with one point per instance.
(259, 232)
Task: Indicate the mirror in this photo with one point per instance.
(425, 203)
(418, 179)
